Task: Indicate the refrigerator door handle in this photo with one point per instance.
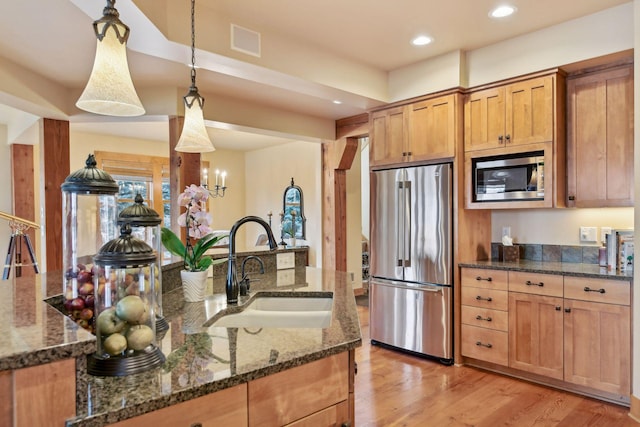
(407, 224)
(399, 231)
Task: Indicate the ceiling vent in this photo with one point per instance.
(245, 40)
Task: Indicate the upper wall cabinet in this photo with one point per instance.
(422, 131)
(506, 120)
(600, 138)
(513, 114)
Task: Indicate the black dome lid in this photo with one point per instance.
(125, 251)
(90, 180)
(139, 214)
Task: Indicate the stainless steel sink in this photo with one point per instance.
(281, 312)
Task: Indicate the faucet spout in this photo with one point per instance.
(232, 280)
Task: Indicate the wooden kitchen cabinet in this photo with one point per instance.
(484, 315)
(421, 131)
(600, 138)
(227, 407)
(535, 334)
(522, 112)
(304, 391)
(39, 395)
(597, 335)
(389, 136)
(574, 331)
(432, 125)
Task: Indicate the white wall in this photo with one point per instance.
(232, 206)
(556, 226)
(354, 220)
(365, 193)
(268, 174)
(6, 201)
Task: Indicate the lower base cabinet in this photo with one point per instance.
(567, 331)
(314, 394)
(224, 408)
(42, 395)
(597, 346)
(535, 334)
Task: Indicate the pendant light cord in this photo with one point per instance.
(193, 43)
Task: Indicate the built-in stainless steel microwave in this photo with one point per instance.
(509, 177)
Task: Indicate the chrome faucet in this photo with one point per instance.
(232, 281)
(245, 281)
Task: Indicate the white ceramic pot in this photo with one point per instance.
(194, 284)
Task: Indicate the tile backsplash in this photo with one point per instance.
(551, 253)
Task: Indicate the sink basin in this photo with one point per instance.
(281, 312)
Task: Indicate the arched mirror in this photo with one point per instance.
(293, 209)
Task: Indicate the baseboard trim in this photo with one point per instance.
(634, 411)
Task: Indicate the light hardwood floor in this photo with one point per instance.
(395, 389)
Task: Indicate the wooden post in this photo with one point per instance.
(184, 171)
(55, 155)
(337, 158)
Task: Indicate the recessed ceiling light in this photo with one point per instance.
(336, 101)
(421, 41)
(502, 11)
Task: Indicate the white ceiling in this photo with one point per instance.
(54, 38)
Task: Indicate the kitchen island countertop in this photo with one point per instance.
(200, 359)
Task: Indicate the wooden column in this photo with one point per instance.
(184, 171)
(55, 156)
(24, 195)
(337, 158)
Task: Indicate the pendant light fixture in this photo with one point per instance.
(110, 90)
(194, 137)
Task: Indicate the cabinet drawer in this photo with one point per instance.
(536, 283)
(483, 278)
(485, 344)
(486, 298)
(485, 318)
(597, 290)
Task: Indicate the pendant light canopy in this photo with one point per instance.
(110, 90)
(194, 137)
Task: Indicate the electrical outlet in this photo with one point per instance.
(506, 231)
(603, 233)
(588, 234)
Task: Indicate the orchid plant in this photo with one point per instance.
(197, 221)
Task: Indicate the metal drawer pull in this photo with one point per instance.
(588, 289)
(478, 317)
(567, 310)
(479, 298)
(530, 283)
(488, 279)
(479, 343)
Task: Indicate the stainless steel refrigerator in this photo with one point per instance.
(410, 291)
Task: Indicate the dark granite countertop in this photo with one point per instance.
(203, 360)
(563, 268)
(33, 332)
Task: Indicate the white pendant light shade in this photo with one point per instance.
(194, 137)
(110, 90)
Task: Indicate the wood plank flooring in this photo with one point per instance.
(395, 389)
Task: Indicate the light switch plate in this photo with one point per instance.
(588, 234)
(285, 260)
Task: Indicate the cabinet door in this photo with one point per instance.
(535, 334)
(291, 395)
(227, 407)
(484, 115)
(433, 132)
(600, 139)
(389, 135)
(45, 395)
(598, 346)
(529, 107)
